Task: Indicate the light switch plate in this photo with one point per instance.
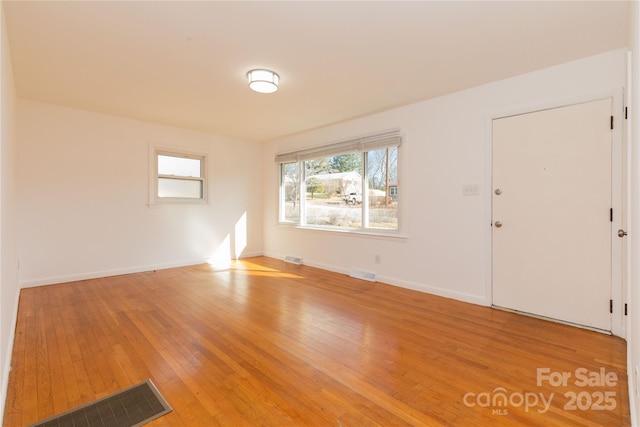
(471, 190)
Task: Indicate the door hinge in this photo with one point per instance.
(625, 308)
(611, 215)
(610, 306)
(611, 122)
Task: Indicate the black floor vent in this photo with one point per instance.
(131, 407)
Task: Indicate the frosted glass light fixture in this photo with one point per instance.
(263, 81)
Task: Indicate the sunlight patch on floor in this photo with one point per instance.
(251, 269)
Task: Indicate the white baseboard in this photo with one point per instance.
(435, 290)
(421, 287)
(632, 399)
(250, 254)
(631, 385)
(53, 280)
(6, 369)
(105, 273)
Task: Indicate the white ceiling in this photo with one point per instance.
(184, 63)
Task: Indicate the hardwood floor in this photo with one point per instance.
(267, 343)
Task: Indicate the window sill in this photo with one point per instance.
(385, 234)
(175, 202)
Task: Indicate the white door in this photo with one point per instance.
(551, 213)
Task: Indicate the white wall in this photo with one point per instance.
(8, 227)
(83, 192)
(446, 145)
(633, 336)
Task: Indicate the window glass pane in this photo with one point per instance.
(180, 188)
(382, 173)
(334, 191)
(290, 206)
(179, 166)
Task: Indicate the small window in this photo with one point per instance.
(179, 177)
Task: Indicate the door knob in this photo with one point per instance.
(498, 224)
(498, 191)
(621, 233)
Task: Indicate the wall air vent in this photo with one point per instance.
(293, 260)
(364, 275)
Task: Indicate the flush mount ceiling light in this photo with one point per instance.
(263, 81)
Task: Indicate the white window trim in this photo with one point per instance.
(154, 151)
(363, 232)
(370, 142)
(362, 144)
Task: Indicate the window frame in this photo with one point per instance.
(360, 145)
(155, 176)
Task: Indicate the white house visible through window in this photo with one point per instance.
(179, 176)
(349, 185)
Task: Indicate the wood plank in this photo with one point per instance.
(270, 343)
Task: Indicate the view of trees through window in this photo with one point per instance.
(353, 190)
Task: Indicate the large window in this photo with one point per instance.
(349, 185)
(179, 176)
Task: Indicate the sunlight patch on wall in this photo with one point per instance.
(241, 235)
(221, 258)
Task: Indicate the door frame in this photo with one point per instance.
(619, 183)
